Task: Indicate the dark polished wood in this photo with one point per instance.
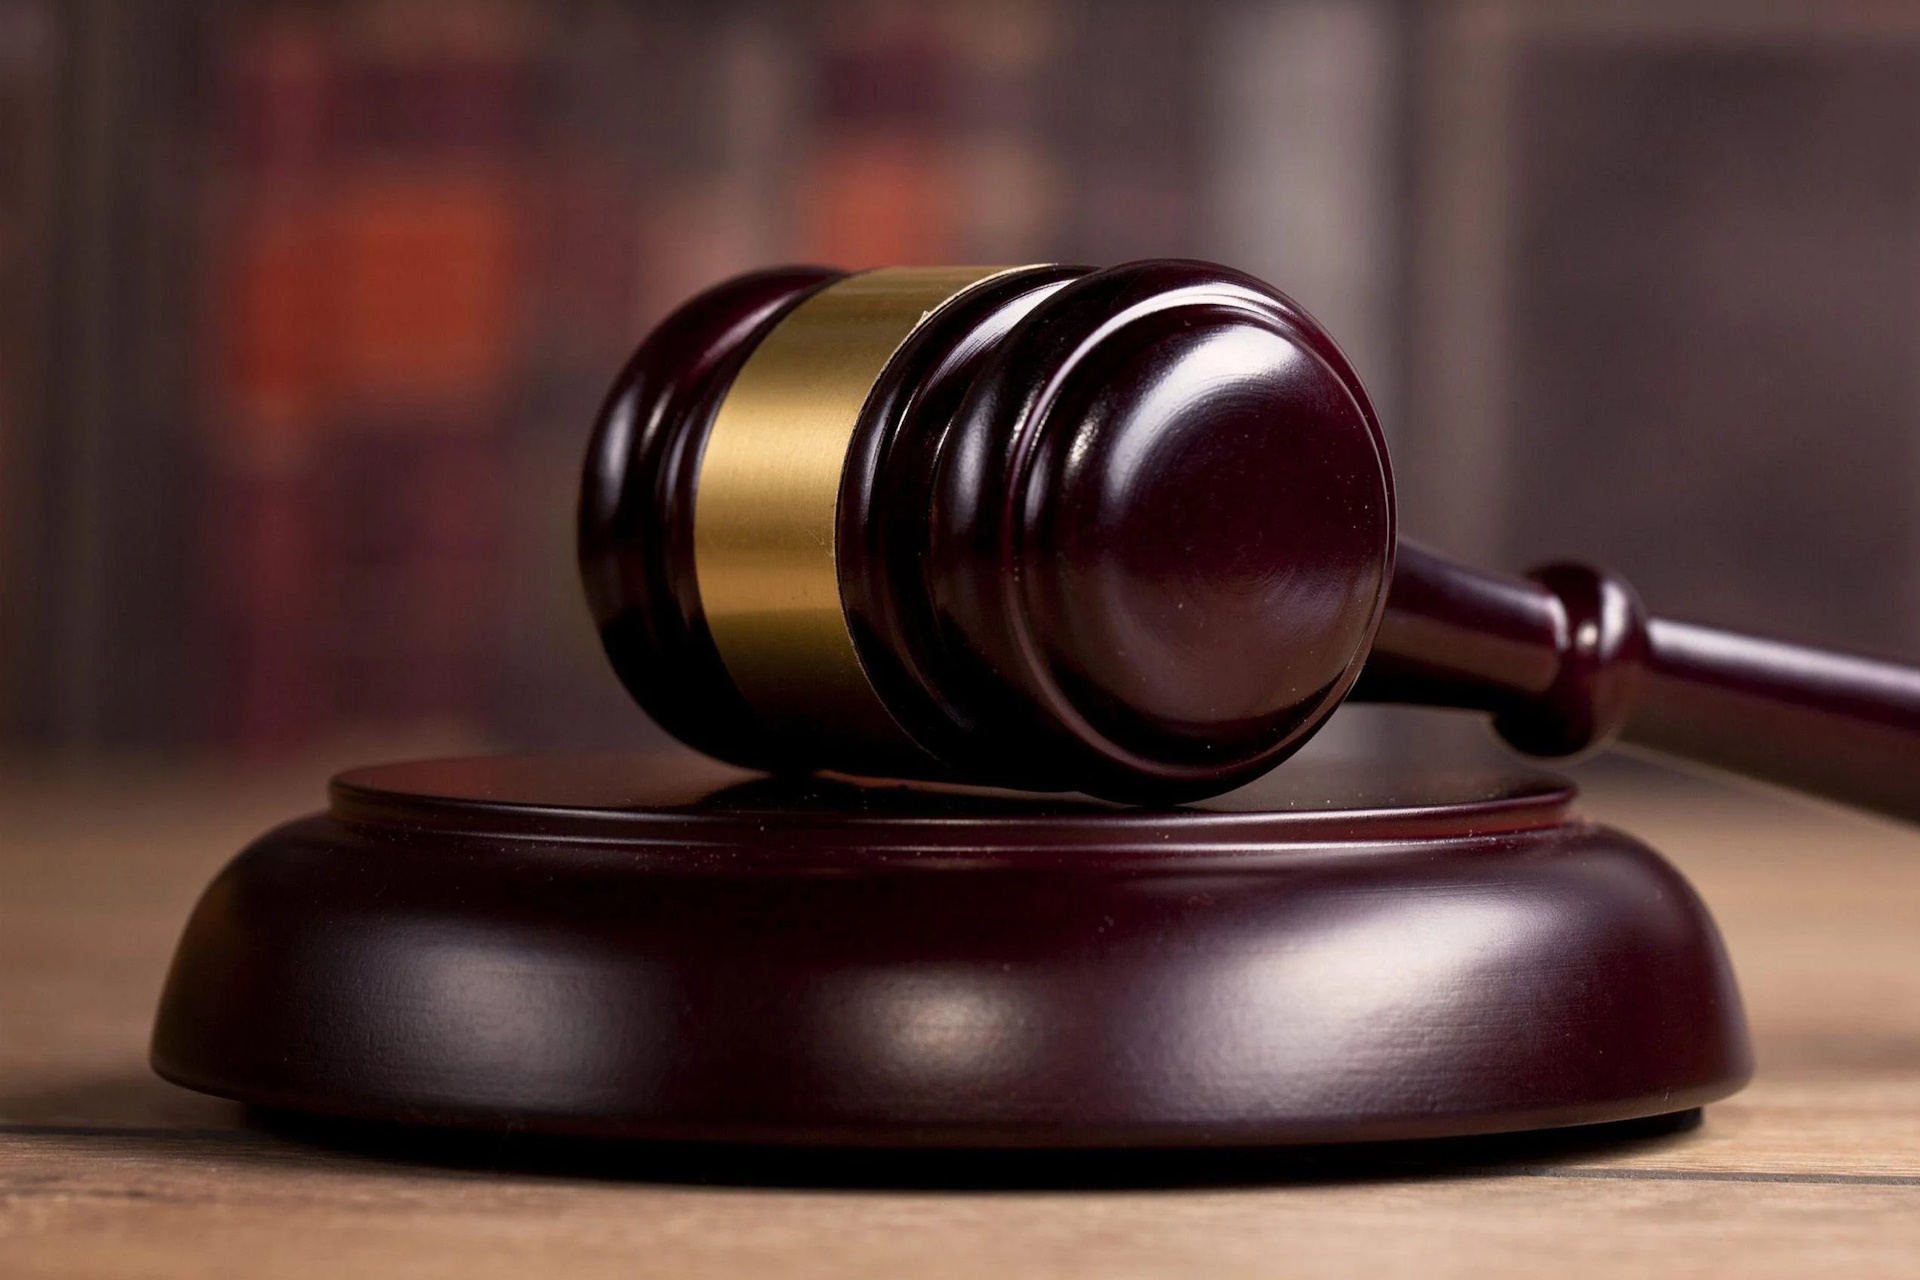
(1131, 532)
(1123, 531)
(635, 517)
(1159, 537)
(1567, 660)
(660, 947)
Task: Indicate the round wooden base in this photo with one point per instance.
(654, 947)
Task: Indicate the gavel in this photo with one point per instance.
(1129, 532)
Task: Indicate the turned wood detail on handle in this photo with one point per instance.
(1566, 660)
(1128, 531)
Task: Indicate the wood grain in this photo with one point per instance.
(105, 1171)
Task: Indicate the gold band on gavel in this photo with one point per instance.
(769, 490)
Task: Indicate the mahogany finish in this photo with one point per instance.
(659, 947)
(1131, 532)
(1074, 549)
(636, 507)
(1567, 660)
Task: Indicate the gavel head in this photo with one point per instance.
(1125, 531)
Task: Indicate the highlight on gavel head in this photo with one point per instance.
(1124, 531)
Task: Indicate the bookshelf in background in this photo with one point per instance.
(265, 277)
(662, 141)
(101, 444)
(880, 184)
(1663, 301)
(27, 82)
(681, 148)
(370, 272)
(419, 238)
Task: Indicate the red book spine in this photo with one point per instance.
(428, 280)
(883, 183)
(267, 398)
(370, 299)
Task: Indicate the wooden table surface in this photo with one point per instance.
(105, 1170)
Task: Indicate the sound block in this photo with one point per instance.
(656, 947)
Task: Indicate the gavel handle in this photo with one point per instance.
(1566, 660)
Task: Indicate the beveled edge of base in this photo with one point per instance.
(298, 985)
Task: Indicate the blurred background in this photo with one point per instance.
(305, 309)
